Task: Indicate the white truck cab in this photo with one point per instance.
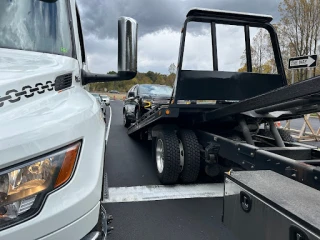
(52, 132)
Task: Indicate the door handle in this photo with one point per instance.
(245, 201)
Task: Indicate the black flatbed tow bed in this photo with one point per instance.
(293, 101)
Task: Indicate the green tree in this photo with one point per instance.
(141, 78)
(152, 76)
(300, 25)
(172, 68)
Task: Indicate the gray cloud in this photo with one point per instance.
(159, 25)
(99, 17)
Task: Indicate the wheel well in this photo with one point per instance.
(161, 127)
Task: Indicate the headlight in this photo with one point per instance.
(146, 103)
(23, 188)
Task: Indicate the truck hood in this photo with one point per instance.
(34, 120)
(23, 70)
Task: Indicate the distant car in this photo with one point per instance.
(102, 103)
(142, 98)
(114, 91)
(106, 99)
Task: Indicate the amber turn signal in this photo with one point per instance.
(67, 165)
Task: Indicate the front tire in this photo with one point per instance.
(126, 121)
(167, 157)
(191, 156)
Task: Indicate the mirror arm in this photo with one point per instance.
(95, 77)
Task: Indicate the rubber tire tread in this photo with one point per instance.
(128, 122)
(191, 168)
(171, 168)
(284, 134)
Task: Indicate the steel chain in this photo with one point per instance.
(14, 95)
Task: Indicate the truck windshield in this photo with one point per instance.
(155, 90)
(35, 25)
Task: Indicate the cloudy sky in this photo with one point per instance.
(160, 22)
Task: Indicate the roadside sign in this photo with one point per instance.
(309, 61)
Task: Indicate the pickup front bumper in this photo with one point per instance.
(101, 230)
(76, 229)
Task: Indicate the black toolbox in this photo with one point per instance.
(264, 205)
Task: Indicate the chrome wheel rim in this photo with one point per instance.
(159, 155)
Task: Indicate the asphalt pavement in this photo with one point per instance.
(298, 123)
(129, 163)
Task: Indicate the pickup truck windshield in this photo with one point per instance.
(155, 90)
(35, 25)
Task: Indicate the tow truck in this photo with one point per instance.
(52, 132)
(271, 181)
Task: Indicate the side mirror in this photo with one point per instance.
(127, 46)
(127, 54)
(131, 94)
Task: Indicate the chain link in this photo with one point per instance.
(14, 95)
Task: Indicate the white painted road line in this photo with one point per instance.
(105, 175)
(109, 124)
(160, 192)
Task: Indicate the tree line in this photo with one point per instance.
(298, 32)
(141, 78)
